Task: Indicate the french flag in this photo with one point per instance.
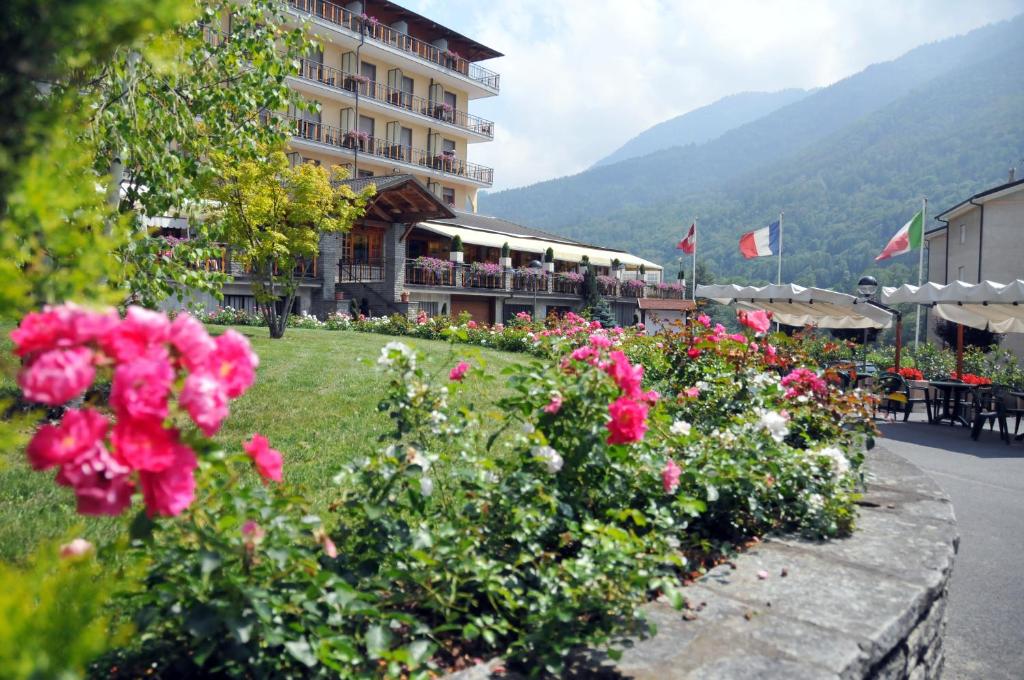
(761, 243)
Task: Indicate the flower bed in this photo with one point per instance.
(617, 467)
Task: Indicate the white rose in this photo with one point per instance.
(680, 428)
(426, 486)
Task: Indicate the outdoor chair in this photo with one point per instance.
(993, 407)
(894, 394)
(1014, 407)
(918, 394)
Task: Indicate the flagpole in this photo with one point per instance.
(920, 272)
(779, 275)
(694, 284)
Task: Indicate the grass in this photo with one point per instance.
(315, 398)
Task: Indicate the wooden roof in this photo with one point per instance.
(401, 199)
(664, 305)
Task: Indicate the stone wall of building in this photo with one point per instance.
(868, 607)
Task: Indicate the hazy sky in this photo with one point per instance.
(580, 77)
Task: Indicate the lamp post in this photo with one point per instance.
(536, 266)
(867, 287)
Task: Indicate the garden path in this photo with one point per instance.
(985, 479)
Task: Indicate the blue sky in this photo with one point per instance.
(581, 77)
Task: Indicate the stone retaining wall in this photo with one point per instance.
(871, 606)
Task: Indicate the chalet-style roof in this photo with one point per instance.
(500, 226)
(666, 305)
(389, 12)
(400, 199)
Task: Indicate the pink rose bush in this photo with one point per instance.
(759, 321)
(163, 373)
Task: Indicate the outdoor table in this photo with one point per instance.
(949, 398)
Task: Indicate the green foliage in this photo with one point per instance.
(273, 216)
(53, 615)
(849, 164)
(456, 244)
(505, 249)
(549, 255)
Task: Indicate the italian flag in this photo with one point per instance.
(906, 239)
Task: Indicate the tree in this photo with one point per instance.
(973, 337)
(594, 304)
(272, 215)
(703, 277)
(165, 105)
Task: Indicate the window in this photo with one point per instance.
(366, 125)
(245, 303)
(963, 234)
(407, 92)
(363, 246)
(368, 71)
(407, 137)
(431, 309)
(365, 173)
(448, 196)
(449, 99)
(960, 273)
(448, 146)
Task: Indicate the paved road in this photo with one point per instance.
(985, 479)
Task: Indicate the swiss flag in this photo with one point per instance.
(689, 242)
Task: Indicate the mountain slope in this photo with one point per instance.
(570, 205)
(847, 194)
(704, 124)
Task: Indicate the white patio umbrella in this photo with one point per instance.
(997, 307)
(796, 305)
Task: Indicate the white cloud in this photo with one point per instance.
(581, 77)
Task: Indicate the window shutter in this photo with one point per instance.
(348, 119)
(394, 133)
(434, 143)
(348, 63)
(436, 93)
(395, 79)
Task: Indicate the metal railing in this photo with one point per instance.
(350, 82)
(362, 270)
(418, 275)
(378, 32)
(382, 148)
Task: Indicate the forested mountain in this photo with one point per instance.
(848, 165)
(704, 124)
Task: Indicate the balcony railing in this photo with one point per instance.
(382, 148)
(361, 270)
(342, 80)
(378, 32)
(418, 273)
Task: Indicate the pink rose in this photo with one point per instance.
(75, 549)
(252, 531)
(704, 320)
(628, 421)
(205, 400)
(692, 392)
(63, 326)
(693, 352)
(233, 363)
(471, 324)
(760, 321)
(459, 372)
(268, 461)
(738, 337)
(78, 432)
(171, 490)
(626, 376)
(555, 405)
(141, 386)
(190, 339)
(599, 341)
(102, 485)
(585, 353)
(144, 444)
(136, 335)
(58, 375)
(670, 476)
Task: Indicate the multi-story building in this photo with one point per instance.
(393, 90)
(981, 240)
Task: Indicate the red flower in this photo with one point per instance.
(628, 421)
(459, 372)
(144, 443)
(60, 327)
(78, 432)
(193, 343)
(140, 387)
(233, 363)
(58, 375)
(626, 376)
(171, 490)
(102, 484)
(141, 331)
(268, 461)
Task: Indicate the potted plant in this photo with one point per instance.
(584, 264)
(405, 296)
(506, 256)
(549, 260)
(456, 253)
(617, 269)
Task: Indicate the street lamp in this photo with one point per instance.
(867, 287)
(536, 266)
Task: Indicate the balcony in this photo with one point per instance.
(352, 83)
(365, 270)
(354, 140)
(385, 35)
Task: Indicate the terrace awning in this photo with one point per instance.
(997, 307)
(795, 305)
(563, 251)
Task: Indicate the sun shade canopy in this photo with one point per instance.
(567, 252)
(998, 307)
(795, 305)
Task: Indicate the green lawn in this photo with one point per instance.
(315, 398)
